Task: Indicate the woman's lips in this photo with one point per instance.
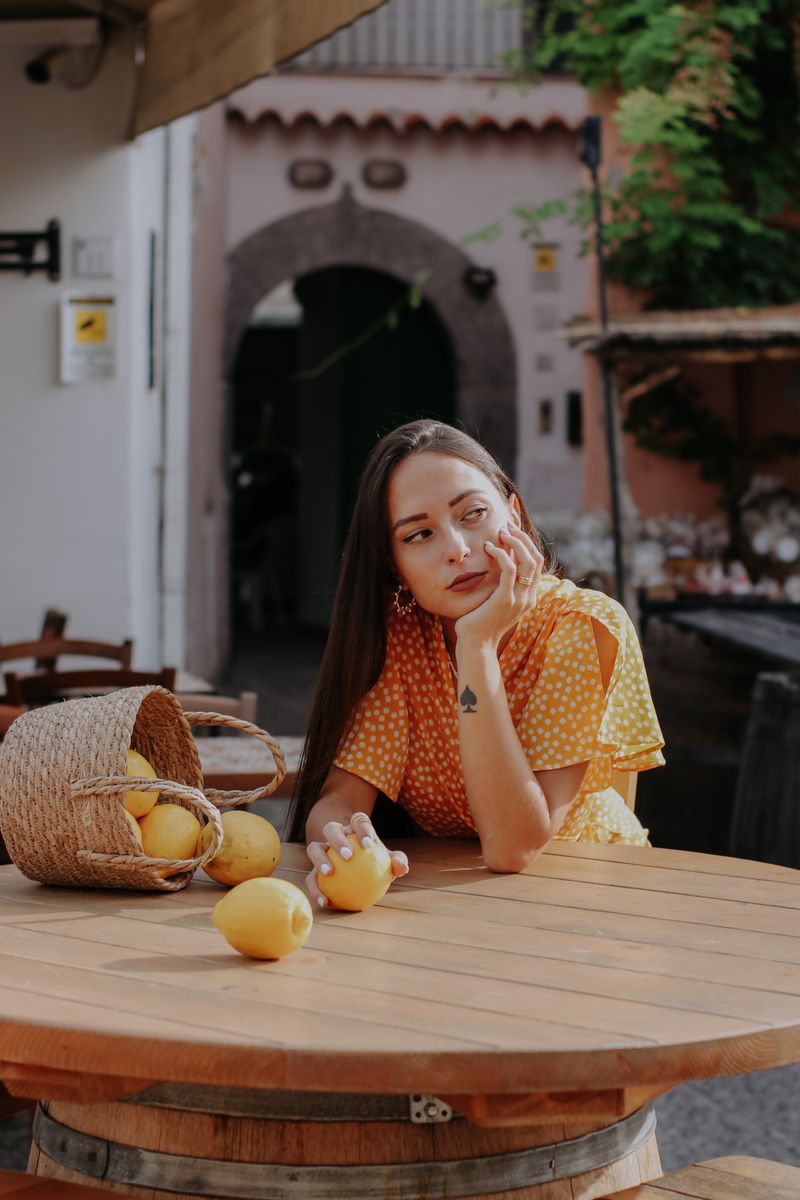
(468, 583)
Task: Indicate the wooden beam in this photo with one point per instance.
(646, 385)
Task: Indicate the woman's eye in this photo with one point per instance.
(476, 513)
(418, 534)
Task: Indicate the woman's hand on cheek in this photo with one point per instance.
(520, 564)
(490, 620)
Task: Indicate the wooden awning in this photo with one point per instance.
(710, 335)
(197, 51)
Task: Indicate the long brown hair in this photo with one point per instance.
(356, 648)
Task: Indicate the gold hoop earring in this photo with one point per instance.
(409, 604)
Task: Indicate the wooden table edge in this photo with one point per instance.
(138, 1061)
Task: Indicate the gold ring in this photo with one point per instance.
(526, 580)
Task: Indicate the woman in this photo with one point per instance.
(460, 679)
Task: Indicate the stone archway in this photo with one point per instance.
(348, 234)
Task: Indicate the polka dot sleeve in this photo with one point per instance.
(376, 745)
(560, 722)
(569, 717)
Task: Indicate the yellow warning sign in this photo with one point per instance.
(545, 258)
(90, 326)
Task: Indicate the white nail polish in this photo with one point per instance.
(366, 842)
(345, 852)
(321, 901)
(326, 869)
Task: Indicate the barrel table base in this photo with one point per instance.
(244, 1145)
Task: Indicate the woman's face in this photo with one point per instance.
(441, 511)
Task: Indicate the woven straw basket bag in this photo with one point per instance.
(62, 783)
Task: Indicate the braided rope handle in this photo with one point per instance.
(224, 799)
(116, 785)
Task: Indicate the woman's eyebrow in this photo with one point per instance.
(451, 503)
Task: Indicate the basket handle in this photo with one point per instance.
(225, 799)
(117, 785)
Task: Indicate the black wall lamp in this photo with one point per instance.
(479, 281)
(18, 251)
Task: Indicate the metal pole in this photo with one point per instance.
(608, 399)
(589, 153)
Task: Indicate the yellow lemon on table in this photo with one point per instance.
(358, 882)
(139, 803)
(264, 918)
(170, 831)
(250, 848)
(134, 824)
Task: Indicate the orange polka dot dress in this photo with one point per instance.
(403, 737)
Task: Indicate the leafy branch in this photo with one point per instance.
(709, 110)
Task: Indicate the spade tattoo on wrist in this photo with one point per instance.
(469, 700)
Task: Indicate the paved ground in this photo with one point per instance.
(755, 1114)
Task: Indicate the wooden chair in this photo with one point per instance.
(47, 650)
(243, 706)
(736, 1178)
(53, 625)
(48, 686)
(8, 714)
(624, 782)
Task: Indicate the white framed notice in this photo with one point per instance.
(88, 336)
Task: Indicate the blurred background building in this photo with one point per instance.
(376, 159)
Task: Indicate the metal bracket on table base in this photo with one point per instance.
(428, 1110)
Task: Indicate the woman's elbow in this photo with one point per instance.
(511, 861)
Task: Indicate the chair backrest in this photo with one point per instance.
(624, 782)
(243, 706)
(47, 686)
(8, 714)
(54, 623)
(46, 650)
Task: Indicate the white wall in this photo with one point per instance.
(80, 463)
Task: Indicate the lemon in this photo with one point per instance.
(139, 803)
(134, 824)
(264, 918)
(169, 831)
(250, 848)
(360, 881)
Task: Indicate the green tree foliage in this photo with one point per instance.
(709, 107)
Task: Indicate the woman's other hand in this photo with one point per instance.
(335, 837)
(521, 563)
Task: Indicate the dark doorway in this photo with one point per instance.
(313, 391)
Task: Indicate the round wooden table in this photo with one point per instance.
(472, 1035)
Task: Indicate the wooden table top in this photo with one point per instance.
(774, 636)
(598, 967)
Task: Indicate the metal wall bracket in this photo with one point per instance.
(18, 251)
(428, 1110)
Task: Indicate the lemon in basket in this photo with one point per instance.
(139, 803)
(264, 918)
(134, 824)
(358, 882)
(250, 848)
(169, 831)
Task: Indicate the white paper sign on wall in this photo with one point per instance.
(88, 337)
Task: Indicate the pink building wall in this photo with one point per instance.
(657, 484)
